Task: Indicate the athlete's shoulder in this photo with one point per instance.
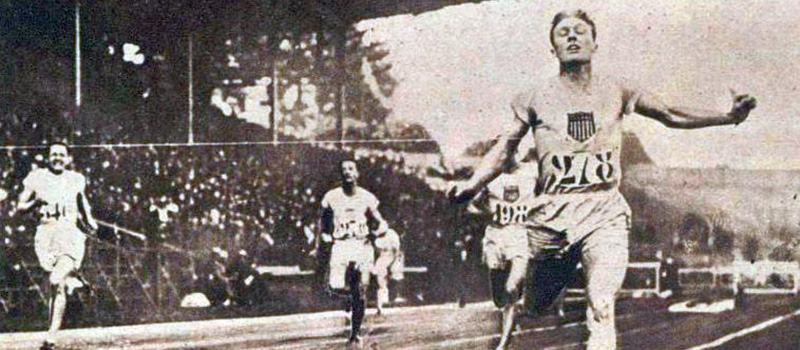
(331, 196)
(35, 177)
(497, 182)
(366, 194)
(365, 191)
(624, 88)
(616, 83)
(390, 239)
(538, 90)
(76, 177)
(333, 192)
(38, 172)
(525, 99)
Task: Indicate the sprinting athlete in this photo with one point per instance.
(505, 243)
(576, 121)
(388, 266)
(59, 195)
(346, 213)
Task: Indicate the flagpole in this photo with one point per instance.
(78, 97)
(191, 91)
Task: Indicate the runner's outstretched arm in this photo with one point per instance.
(650, 106)
(493, 162)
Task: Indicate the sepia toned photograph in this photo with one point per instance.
(399, 175)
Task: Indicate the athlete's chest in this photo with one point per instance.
(57, 187)
(578, 118)
(510, 189)
(350, 207)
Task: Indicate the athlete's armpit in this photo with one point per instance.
(630, 97)
(522, 107)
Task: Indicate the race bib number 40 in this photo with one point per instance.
(582, 170)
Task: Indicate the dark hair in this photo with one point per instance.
(58, 143)
(348, 160)
(579, 14)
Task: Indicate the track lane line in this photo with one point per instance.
(458, 341)
(741, 333)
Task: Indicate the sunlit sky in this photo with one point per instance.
(460, 66)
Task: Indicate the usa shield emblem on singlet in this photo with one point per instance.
(511, 193)
(581, 125)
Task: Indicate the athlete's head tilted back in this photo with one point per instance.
(573, 36)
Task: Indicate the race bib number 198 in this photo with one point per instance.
(507, 214)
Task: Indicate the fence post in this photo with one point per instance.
(158, 298)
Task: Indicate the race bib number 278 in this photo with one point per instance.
(579, 170)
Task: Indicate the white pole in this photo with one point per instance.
(78, 99)
(191, 91)
(275, 103)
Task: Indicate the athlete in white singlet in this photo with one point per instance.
(505, 244)
(389, 266)
(59, 195)
(346, 212)
(576, 121)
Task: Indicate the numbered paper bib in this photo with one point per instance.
(351, 228)
(578, 171)
(507, 214)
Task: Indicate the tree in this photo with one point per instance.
(694, 233)
(751, 249)
(147, 101)
(722, 237)
(782, 253)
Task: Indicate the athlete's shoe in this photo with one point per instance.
(355, 342)
(348, 318)
(47, 346)
(502, 347)
(562, 318)
(73, 283)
